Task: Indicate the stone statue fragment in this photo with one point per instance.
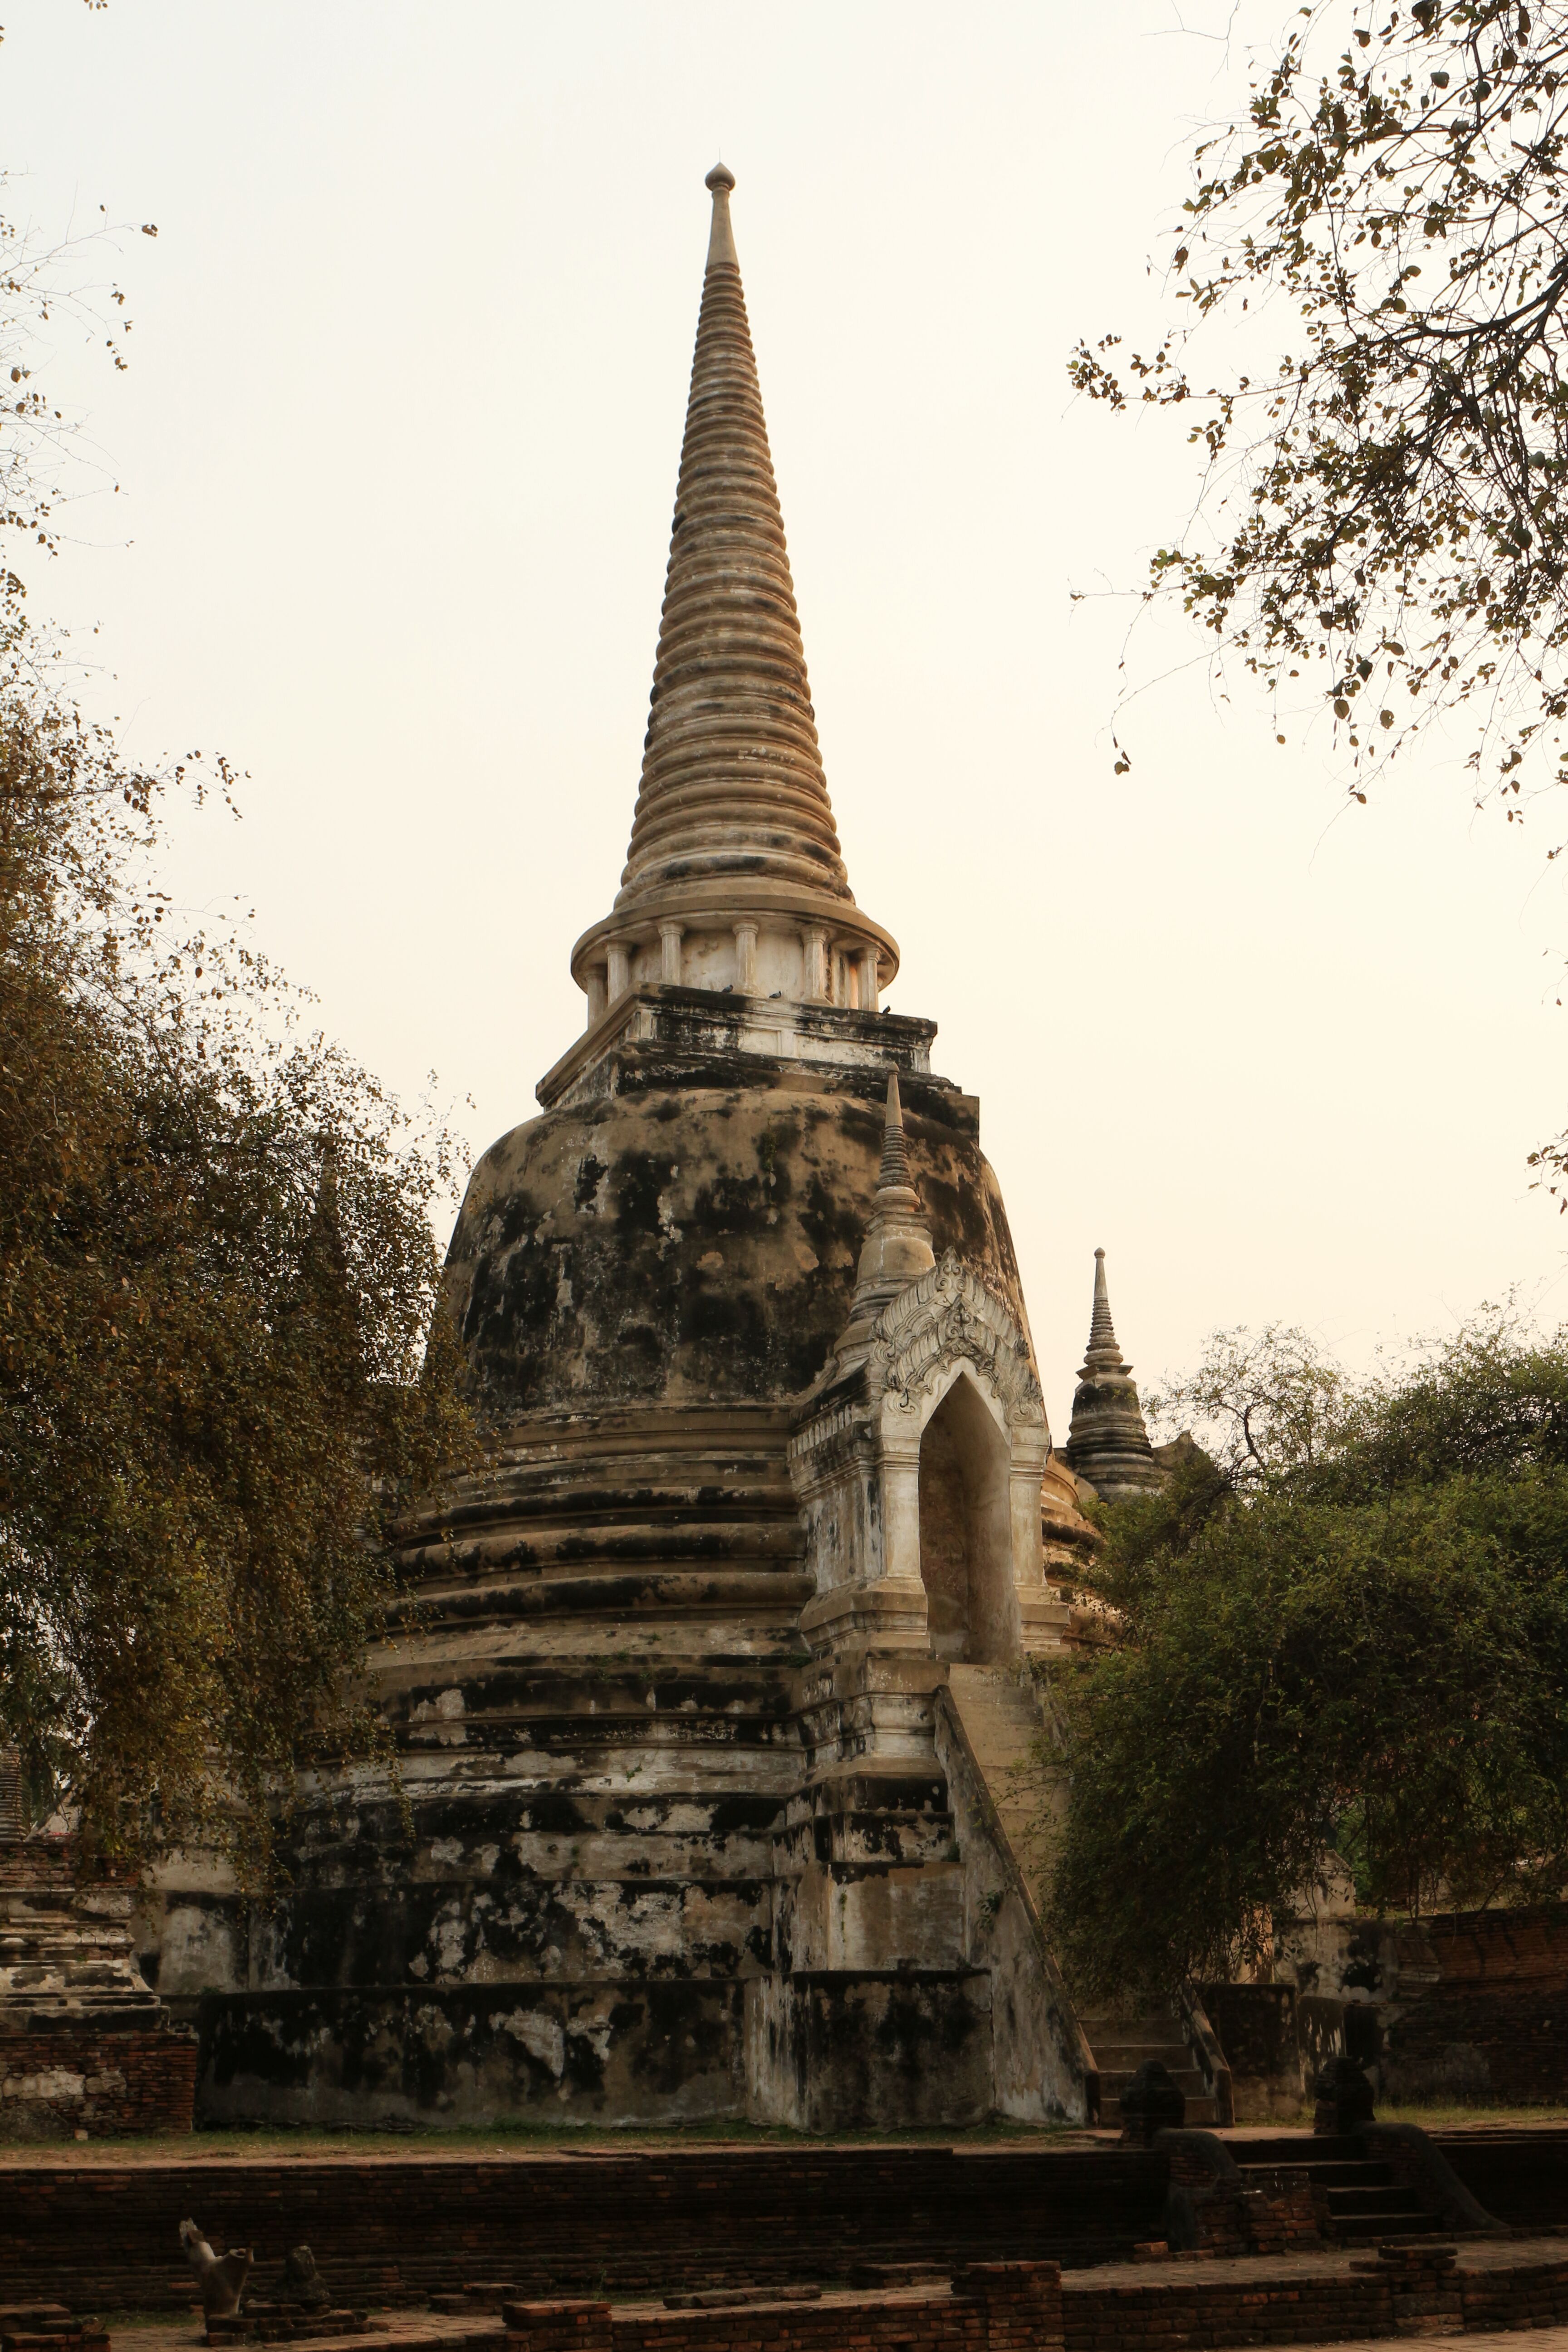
(221, 2277)
(302, 2282)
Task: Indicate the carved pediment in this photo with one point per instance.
(946, 1315)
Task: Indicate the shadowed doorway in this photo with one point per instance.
(967, 1536)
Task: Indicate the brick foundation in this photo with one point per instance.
(1269, 2212)
(623, 2224)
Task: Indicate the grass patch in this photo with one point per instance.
(508, 2135)
(1454, 2117)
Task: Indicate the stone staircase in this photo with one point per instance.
(1004, 1727)
(1122, 2044)
(69, 1964)
(1359, 2199)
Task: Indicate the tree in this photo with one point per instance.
(221, 1370)
(1263, 1399)
(1360, 1648)
(1384, 511)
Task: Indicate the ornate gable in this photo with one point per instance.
(947, 1314)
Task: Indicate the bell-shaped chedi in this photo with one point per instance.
(741, 1314)
(1107, 1443)
(733, 879)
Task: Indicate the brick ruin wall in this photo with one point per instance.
(629, 2224)
(1466, 2006)
(53, 2085)
(1495, 2025)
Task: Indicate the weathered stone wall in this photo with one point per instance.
(457, 2055)
(870, 2050)
(593, 1707)
(86, 2047)
(1259, 2029)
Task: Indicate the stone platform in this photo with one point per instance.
(763, 2244)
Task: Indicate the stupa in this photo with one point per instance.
(704, 1688)
(1107, 1443)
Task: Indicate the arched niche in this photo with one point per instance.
(966, 1527)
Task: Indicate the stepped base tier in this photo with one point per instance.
(688, 1826)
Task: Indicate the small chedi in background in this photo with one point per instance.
(86, 2047)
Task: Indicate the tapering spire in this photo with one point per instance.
(733, 881)
(1102, 1354)
(731, 775)
(1108, 1443)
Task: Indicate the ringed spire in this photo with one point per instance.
(734, 880)
(731, 775)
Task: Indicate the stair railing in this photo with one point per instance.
(1203, 2048)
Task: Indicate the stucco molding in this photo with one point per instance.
(946, 1317)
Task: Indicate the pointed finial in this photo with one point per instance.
(895, 1168)
(722, 242)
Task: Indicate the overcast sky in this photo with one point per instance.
(397, 454)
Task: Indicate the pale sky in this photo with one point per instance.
(396, 456)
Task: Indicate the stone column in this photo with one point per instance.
(867, 980)
(813, 941)
(901, 1514)
(618, 969)
(598, 998)
(670, 936)
(746, 959)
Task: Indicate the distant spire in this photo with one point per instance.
(731, 775)
(1108, 1443)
